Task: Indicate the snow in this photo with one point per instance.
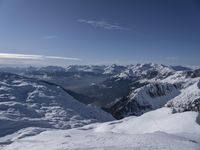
(178, 90)
(30, 131)
(187, 98)
(180, 77)
(27, 102)
(113, 69)
(141, 69)
(85, 140)
(32, 112)
(159, 120)
(158, 129)
(155, 94)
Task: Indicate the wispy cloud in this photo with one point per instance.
(49, 37)
(35, 57)
(102, 24)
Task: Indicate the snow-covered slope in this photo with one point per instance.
(161, 119)
(154, 95)
(158, 129)
(188, 100)
(148, 97)
(28, 102)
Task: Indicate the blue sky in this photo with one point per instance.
(63, 32)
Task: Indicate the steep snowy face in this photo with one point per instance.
(154, 94)
(146, 98)
(31, 103)
(188, 100)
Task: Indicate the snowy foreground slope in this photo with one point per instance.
(159, 129)
(28, 102)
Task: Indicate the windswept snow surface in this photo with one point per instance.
(161, 119)
(28, 102)
(159, 129)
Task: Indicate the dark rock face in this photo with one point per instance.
(137, 102)
(189, 100)
(195, 106)
(190, 106)
(193, 74)
(158, 89)
(151, 74)
(180, 68)
(124, 107)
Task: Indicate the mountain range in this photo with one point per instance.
(145, 99)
